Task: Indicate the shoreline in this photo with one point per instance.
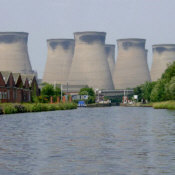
(14, 108)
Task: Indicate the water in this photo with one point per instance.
(88, 141)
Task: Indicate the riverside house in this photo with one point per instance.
(17, 88)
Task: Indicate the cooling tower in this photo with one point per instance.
(59, 60)
(110, 52)
(14, 52)
(163, 54)
(90, 66)
(131, 68)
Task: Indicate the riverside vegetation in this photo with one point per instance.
(39, 104)
(10, 108)
(160, 93)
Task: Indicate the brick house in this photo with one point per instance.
(3, 90)
(17, 88)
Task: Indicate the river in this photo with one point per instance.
(88, 141)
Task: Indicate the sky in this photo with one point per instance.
(152, 20)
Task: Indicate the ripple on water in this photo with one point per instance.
(86, 141)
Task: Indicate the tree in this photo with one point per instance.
(139, 91)
(171, 89)
(169, 72)
(47, 90)
(158, 93)
(87, 91)
(147, 89)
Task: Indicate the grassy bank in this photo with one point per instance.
(164, 105)
(137, 105)
(10, 108)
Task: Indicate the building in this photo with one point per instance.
(89, 65)
(14, 55)
(131, 67)
(17, 88)
(163, 55)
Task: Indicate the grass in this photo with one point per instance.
(11, 108)
(164, 105)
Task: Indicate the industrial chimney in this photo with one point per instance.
(110, 53)
(163, 54)
(59, 60)
(131, 68)
(90, 66)
(14, 52)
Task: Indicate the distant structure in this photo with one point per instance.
(90, 66)
(163, 54)
(131, 68)
(59, 60)
(14, 52)
(110, 52)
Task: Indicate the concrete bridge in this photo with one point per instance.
(115, 93)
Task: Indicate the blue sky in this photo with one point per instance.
(45, 19)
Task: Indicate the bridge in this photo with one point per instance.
(115, 93)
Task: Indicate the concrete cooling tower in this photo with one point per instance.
(163, 54)
(110, 52)
(59, 60)
(90, 66)
(131, 68)
(14, 52)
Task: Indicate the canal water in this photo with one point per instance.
(88, 141)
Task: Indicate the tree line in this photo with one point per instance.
(161, 90)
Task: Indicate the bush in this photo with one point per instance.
(34, 107)
(9, 109)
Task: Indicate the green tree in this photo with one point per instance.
(158, 93)
(147, 89)
(47, 90)
(87, 91)
(169, 72)
(139, 91)
(170, 89)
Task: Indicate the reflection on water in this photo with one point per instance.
(97, 141)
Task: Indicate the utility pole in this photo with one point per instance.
(67, 88)
(61, 92)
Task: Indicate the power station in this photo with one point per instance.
(131, 68)
(110, 54)
(14, 52)
(59, 60)
(163, 55)
(90, 66)
(87, 60)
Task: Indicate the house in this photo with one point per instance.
(17, 88)
(3, 90)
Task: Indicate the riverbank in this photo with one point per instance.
(11, 108)
(156, 105)
(137, 105)
(164, 105)
(98, 105)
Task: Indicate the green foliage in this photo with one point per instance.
(169, 72)
(170, 88)
(87, 90)
(91, 94)
(9, 109)
(147, 89)
(158, 93)
(35, 107)
(48, 91)
(138, 91)
(91, 100)
(161, 90)
(164, 105)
